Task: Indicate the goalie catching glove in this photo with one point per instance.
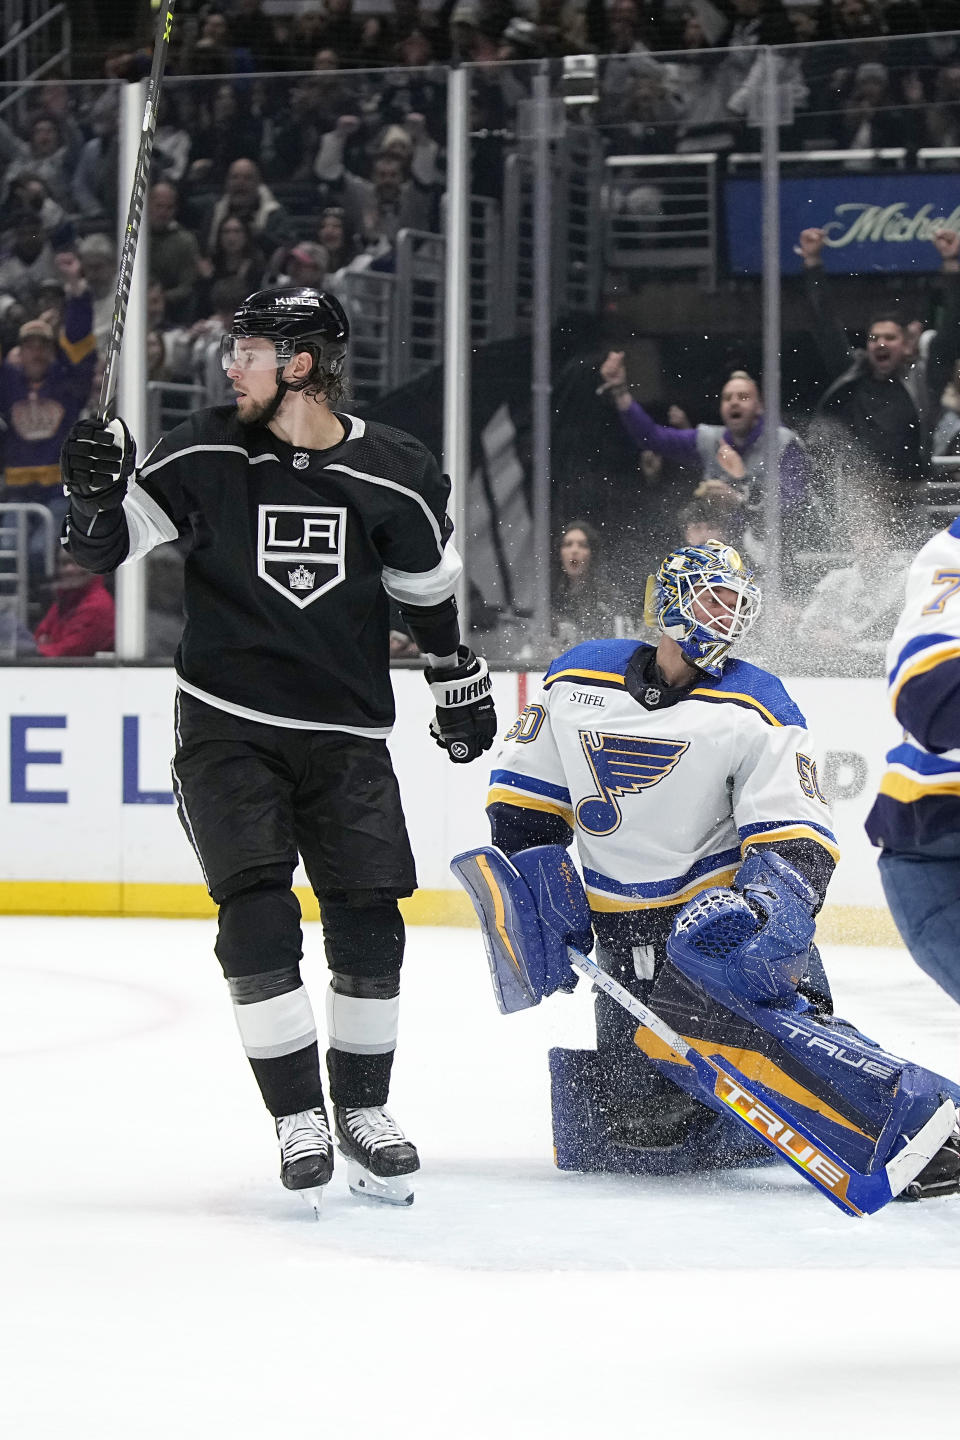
(96, 462)
(466, 722)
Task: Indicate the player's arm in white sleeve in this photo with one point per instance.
(923, 658)
(421, 565)
(778, 802)
(529, 802)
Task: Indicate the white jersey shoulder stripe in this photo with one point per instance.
(201, 449)
(358, 427)
(148, 525)
(284, 721)
(401, 489)
(427, 587)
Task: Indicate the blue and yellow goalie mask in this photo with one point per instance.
(705, 598)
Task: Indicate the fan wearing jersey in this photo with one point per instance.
(669, 765)
(301, 522)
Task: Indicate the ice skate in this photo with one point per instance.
(380, 1158)
(941, 1176)
(306, 1154)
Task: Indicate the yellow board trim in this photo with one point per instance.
(506, 795)
(927, 661)
(791, 832)
(607, 675)
(680, 897)
(755, 1067)
(191, 902)
(836, 924)
(738, 695)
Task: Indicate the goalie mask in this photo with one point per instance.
(705, 598)
(294, 318)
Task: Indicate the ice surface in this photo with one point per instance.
(157, 1281)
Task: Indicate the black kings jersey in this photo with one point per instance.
(292, 556)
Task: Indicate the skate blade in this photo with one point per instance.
(313, 1197)
(389, 1190)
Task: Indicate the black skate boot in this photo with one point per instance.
(941, 1176)
(306, 1153)
(380, 1158)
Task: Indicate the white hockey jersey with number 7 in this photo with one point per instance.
(663, 802)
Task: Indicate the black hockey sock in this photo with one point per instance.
(290, 1083)
(359, 1079)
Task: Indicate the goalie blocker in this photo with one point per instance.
(766, 1072)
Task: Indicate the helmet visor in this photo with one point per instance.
(254, 352)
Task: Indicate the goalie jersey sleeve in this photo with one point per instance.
(663, 802)
(918, 803)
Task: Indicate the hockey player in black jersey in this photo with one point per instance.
(301, 522)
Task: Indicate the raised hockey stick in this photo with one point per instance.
(131, 234)
(854, 1191)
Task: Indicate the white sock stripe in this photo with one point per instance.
(362, 1027)
(276, 1027)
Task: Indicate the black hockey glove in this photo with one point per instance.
(466, 722)
(96, 462)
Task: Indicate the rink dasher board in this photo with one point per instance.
(89, 824)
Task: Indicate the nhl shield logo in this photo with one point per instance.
(301, 549)
(301, 460)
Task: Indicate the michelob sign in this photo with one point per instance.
(873, 222)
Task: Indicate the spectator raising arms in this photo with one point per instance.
(873, 422)
(729, 456)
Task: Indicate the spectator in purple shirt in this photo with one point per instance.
(728, 457)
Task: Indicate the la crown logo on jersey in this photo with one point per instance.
(301, 550)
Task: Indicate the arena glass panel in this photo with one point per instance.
(58, 205)
(870, 296)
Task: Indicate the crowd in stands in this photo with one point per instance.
(294, 148)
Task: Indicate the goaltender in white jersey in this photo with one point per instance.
(667, 764)
(665, 773)
(679, 770)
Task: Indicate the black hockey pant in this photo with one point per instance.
(251, 798)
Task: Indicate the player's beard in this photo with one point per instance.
(256, 411)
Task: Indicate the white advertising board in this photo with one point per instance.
(89, 822)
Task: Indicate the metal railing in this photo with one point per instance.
(169, 402)
(943, 496)
(660, 212)
(368, 297)
(576, 232)
(36, 41)
(417, 329)
(16, 522)
(895, 156)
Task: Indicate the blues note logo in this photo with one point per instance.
(621, 765)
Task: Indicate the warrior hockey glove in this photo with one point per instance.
(466, 722)
(96, 462)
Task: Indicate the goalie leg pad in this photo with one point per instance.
(847, 1090)
(530, 908)
(588, 1135)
